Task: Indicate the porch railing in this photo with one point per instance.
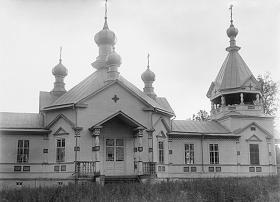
(149, 168)
(86, 168)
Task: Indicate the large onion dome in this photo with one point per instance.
(105, 36)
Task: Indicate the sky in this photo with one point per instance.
(186, 40)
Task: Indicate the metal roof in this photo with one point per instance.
(233, 73)
(20, 120)
(96, 82)
(201, 127)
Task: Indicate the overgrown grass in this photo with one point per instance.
(217, 189)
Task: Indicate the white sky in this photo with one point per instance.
(186, 40)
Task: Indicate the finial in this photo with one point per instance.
(148, 60)
(105, 9)
(60, 51)
(105, 23)
(230, 8)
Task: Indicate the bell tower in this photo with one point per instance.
(235, 88)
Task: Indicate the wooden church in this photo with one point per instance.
(106, 129)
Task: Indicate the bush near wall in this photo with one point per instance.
(214, 189)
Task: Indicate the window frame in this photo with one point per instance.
(214, 154)
(254, 155)
(189, 148)
(117, 150)
(161, 152)
(60, 149)
(23, 151)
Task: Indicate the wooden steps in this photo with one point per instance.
(121, 179)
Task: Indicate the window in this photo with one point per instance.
(211, 169)
(60, 150)
(114, 150)
(26, 168)
(251, 169)
(193, 169)
(17, 168)
(56, 168)
(160, 152)
(253, 128)
(110, 143)
(214, 153)
(258, 169)
(23, 151)
(218, 169)
(189, 153)
(186, 169)
(119, 150)
(254, 154)
(63, 168)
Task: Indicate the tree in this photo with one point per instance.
(202, 115)
(269, 90)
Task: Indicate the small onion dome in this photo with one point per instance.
(232, 31)
(113, 59)
(148, 75)
(59, 70)
(105, 36)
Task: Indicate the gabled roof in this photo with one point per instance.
(96, 82)
(233, 73)
(240, 130)
(201, 127)
(21, 120)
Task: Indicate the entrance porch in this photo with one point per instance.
(117, 149)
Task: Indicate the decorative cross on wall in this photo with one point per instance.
(250, 86)
(115, 98)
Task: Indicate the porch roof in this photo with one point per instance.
(122, 116)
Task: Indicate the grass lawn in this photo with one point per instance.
(260, 189)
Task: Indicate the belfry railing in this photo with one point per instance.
(86, 168)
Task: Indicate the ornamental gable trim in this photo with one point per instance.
(57, 118)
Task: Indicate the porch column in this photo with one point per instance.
(77, 131)
(139, 147)
(96, 147)
(241, 99)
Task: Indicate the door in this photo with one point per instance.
(115, 157)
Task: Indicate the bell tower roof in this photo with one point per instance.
(235, 87)
(234, 73)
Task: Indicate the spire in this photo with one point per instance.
(148, 78)
(232, 33)
(105, 22)
(60, 51)
(230, 8)
(59, 72)
(148, 57)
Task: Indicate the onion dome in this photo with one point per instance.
(105, 36)
(113, 59)
(60, 70)
(232, 31)
(148, 75)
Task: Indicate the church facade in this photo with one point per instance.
(105, 128)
